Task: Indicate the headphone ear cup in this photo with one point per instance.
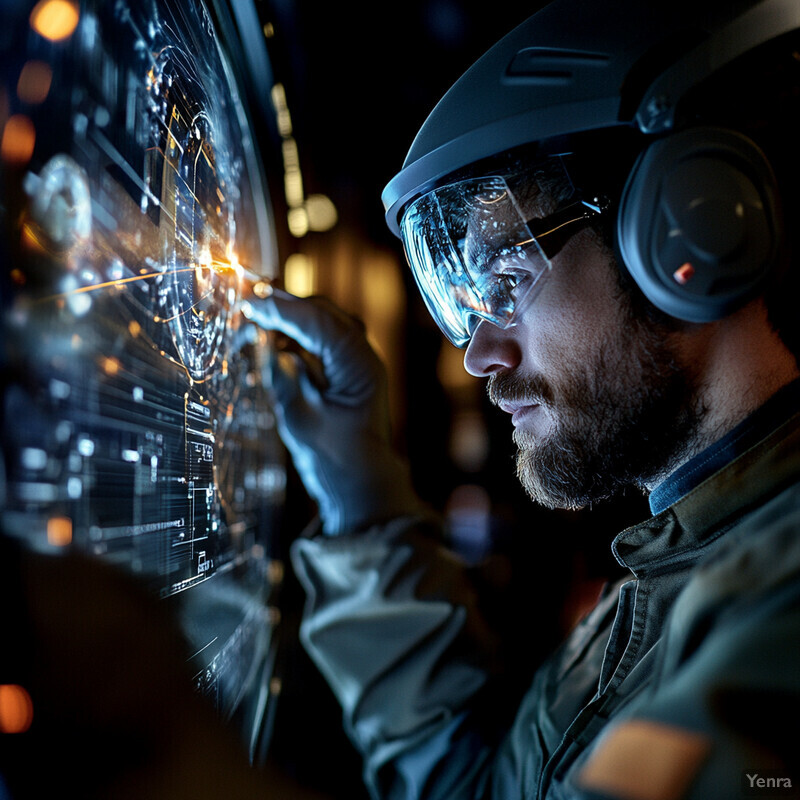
(698, 223)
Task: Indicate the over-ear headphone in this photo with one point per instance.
(698, 224)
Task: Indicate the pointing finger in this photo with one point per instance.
(302, 319)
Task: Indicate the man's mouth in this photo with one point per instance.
(517, 396)
(519, 409)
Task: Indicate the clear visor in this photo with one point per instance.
(477, 255)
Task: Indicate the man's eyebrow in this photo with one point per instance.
(491, 201)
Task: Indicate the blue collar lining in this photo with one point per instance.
(753, 429)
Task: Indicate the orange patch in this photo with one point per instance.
(642, 760)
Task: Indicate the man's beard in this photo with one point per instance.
(624, 419)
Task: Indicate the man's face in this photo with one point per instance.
(599, 399)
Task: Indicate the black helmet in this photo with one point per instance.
(581, 66)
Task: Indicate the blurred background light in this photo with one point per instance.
(19, 138)
(55, 19)
(16, 709)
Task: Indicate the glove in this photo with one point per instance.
(332, 411)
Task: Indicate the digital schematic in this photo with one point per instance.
(137, 218)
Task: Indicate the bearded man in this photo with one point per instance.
(600, 211)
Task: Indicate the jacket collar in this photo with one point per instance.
(718, 486)
(779, 408)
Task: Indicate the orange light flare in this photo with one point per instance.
(59, 531)
(19, 138)
(225, 267)
(229, 264)
(34, 82)
(116, 283)
(55, 20)
(31, 239)
(111, 366)
(16, 709)
(247, 280)
(233, 260)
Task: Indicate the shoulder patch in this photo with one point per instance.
(644, 760)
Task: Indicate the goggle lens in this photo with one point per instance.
(475, 254)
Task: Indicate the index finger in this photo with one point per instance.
(352, 370)
(290, 315)
(315, 323)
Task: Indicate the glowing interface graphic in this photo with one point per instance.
(135, 423)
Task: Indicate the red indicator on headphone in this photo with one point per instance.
(683, 274)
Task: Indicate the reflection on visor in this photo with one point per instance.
(475, 255)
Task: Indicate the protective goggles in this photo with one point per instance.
(476, 255)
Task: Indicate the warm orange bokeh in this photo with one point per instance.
(55, 19)
(34, 82)
(16, 709)
(59, 531)
(19, 137)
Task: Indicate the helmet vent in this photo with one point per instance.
(548, 66)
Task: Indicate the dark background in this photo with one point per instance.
(362, 78)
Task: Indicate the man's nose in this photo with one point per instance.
(491, 350)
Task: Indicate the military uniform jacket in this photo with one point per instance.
(684, 680)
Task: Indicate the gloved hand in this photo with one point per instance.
(332, 412)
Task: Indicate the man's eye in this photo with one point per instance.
(512, 279)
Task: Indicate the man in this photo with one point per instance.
(596, 210)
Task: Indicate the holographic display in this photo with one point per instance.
(135, 423)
